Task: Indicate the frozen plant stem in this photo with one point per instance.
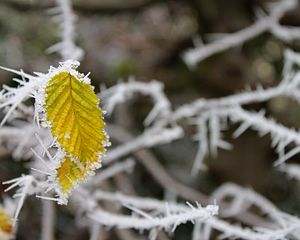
(65, 17)
(24, 182)
(266, 23)
(48, 220)
(147, 222)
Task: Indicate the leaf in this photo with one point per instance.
(68, 175)
(76, 121)
(6, 227)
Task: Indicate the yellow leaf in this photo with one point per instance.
(6, 228)
(68, 175)
(72, 109)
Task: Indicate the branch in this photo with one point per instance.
(121, 92)
(151, 137)
(147, 159)
(289, 87)
(24, 182)
(268, 23)
(111, 171)
(169, 221)
(228, 230)
(67, 47)
(281, 136)
(48, 220)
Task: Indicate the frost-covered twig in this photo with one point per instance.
(235, 231)
(111, 171)
(168, 217)
(19, 138)
(123, 91)
(266, 23)
(285, 224)
(147, 222)
(228, 230)
(290, 87)
(48, 220)
(11, 98)
(95, 231)
(24, 182)
(142, 203)
(65, 17)
(281, 135)
(243, 198)
(149, 138)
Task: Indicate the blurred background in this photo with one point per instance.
(146, 39)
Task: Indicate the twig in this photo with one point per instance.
(269, 23)
(67, 47)
(156, 170)
(48, 220)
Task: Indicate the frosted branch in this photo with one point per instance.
(228, 230)
(146, 222)
(281, 136)
(48, 220)
(24, 183)
(243, 198)
(11, 98)
(123, 91)
(95, 231)
(111, 171)
(288, 87)
(267, 23)
(66, 18)
(141, 203)
(149, 138)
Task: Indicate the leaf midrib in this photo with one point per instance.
(76, 121)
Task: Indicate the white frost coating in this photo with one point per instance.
(212, 114)
(65, 17)
(151, 137)
(24, 183)
(292, 170)
(243, 198)
(48, 220)
(163, 216)
(170, 215)
(167, 222)
(283, 225)
(265, 23)
(111, 171)
(289, 86)
(11, 98)
(123, 91)
(281, 135)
